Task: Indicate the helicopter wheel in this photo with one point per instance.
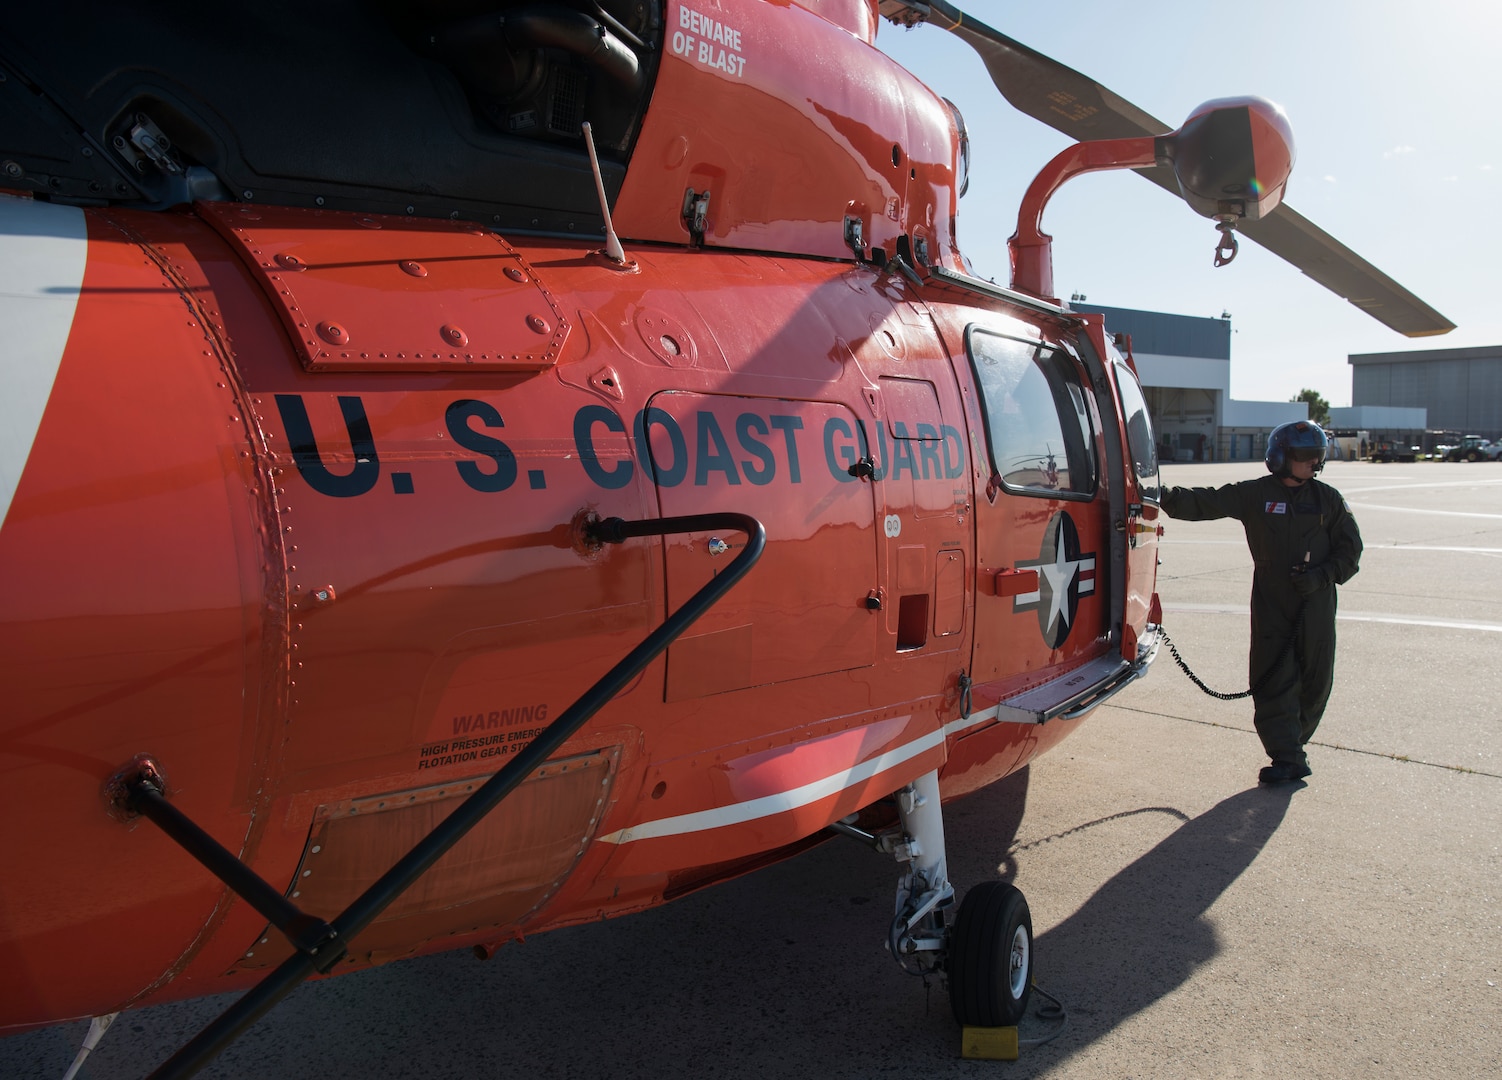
(991, 957)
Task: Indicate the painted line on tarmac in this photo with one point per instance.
(1348, 616)
(1404, 758)
(1210, 543)
(1418, 485)
(1365, 551)
(1426, 513)
(1431, 547)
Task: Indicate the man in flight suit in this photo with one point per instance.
(1304, 542)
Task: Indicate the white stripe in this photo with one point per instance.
(778, 803)
(784, 801)
(1349, 616)
(43, 248)
(954, 727)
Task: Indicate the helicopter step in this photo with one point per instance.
(1079, 691)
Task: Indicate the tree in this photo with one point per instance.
(1319, 408)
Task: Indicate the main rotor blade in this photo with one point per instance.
(1033, 83)
(1292, 237)
(1295, 239)
(1081, 108)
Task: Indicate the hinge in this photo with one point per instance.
(696, 214)
(855, 238)
(146, 142)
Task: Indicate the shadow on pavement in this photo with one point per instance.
(1144, 933)
(782, 973)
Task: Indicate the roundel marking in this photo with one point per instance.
(1065, 573)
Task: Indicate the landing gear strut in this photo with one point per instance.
(986, 953)
(919, 937)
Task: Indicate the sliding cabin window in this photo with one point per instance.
(1037, 422)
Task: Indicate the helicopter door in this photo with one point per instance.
(1042, 534)
(804, 611)
(1144, 492)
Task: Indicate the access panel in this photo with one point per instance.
(810, 606)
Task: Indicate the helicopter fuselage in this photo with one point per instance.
(297, 506)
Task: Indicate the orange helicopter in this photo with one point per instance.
(474, 468)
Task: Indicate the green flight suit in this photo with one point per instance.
(1286, 528)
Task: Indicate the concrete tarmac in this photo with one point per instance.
(1192, 923)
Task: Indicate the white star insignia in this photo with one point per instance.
(1059, 574)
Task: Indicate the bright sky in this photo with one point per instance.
(1392, 104)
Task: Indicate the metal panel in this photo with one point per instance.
(499, 874)
(367, 292)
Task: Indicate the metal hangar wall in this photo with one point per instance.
(1460, 388)
(1184, 362)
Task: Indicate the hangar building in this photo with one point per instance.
(1460, 389)
(1184, 363)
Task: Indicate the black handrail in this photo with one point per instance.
(143, 795)
(280, 982)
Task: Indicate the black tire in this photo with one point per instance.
(991, 957)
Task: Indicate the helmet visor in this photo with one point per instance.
(1305, 453)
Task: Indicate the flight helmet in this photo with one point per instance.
(1301, 440)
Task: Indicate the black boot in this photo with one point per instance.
(1284, 772)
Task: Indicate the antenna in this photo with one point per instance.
(613, 250)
